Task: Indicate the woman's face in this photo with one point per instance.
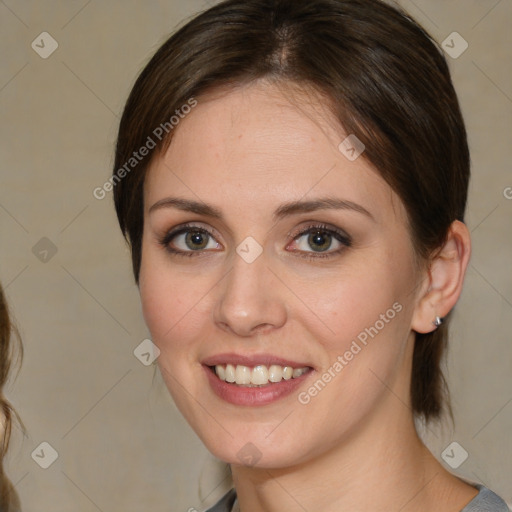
(266, 249)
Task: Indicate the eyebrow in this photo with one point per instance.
(286, 209)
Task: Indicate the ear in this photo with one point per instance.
(444, 280)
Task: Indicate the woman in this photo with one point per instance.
(9, 501)
(291, 176)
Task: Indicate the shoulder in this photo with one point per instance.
(225, 504)
(486, 501)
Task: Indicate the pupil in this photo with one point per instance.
(196, 240)
(319, 240)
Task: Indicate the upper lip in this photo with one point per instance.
(252, 360)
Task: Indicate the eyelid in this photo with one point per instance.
(302, 230)
(343, 238)
(166, 238)
(340, 235)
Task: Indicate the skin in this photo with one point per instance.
(246, 152)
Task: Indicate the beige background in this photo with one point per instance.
(121, 444)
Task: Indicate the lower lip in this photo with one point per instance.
(253, 396)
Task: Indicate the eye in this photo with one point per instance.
(188, 240)
(320, 239)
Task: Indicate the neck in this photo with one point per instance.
(384, 466)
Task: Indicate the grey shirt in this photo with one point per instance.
(484, 501)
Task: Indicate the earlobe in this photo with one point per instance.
(445, 279)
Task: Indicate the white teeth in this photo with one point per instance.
(242, 374)
(275, 373)
(260, 375)
(230, 373)
(221, 372)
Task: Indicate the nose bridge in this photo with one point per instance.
(247, 301)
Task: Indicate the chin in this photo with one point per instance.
(254, 454)
(247, 444)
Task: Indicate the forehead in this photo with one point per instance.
(261, 143)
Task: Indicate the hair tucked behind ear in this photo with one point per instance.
(9, 501)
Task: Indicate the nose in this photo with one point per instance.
(250, 299)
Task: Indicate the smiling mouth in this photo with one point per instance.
(258, 375)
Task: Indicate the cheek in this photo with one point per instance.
(360, 315)
(171, 320)
(173, 304)
(162, 299)
(164, 304)
(345, 301)
(363, 336)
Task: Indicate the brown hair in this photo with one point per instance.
(386, 81)
(9, 501)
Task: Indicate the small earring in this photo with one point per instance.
(438, 321)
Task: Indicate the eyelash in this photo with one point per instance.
(185, 228)
(339, 235)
